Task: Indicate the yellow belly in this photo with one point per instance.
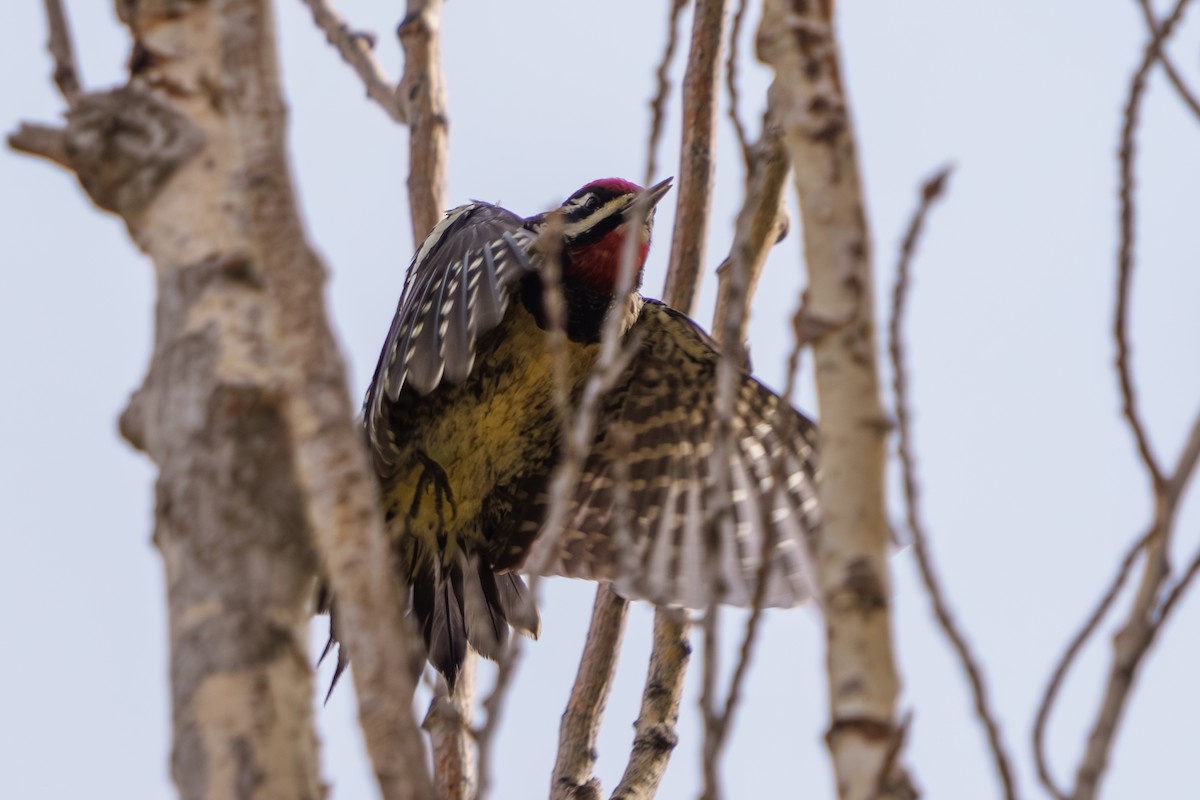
(482, 434)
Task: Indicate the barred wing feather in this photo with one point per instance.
(676, 547)
(457, 289)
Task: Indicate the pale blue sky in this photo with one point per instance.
(1030, 482)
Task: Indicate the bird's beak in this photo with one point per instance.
(645, 201)
(655, 193)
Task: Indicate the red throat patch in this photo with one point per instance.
(599, 265)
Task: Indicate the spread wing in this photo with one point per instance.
(457, 289)
(658, 432)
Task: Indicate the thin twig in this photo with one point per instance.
(1068, 657)
(579, 732)
(1185, 93)
(1158, 483)
(1178, 590)
(552, 298)
(662, 91)
(1130, 645)
(1186, 464)
(1125, 263)
(731, 83)
(701, 84)
(718, 725)
(760, 224)
(357, 49)
(62, 51)
(655, 738)
(756, 231)
(930, 192)
(554, 305)
(709, 763)
(1146, 618)
(1137, 633)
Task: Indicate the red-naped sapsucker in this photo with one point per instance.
(463, 428)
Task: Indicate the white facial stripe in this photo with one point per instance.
(614, 206)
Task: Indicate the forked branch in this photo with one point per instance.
(1155, 596)
(357, 49)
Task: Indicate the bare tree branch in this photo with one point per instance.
(731, 83)
(1068, 657)
(1146, 614)
(930, 192)
(576, 760)
(759, 226)
(1181, 586)
(1185, 93)
(761, 223)
(493, 706)
(665, 678)
(448, 723)
(662, 91)
(1146, 618)
(851, 549)
(422, 96)
(701, 85)
(1138, 631)
(358, 50)
(424, 88)
(654, 732)
(1127, 230)
(655, 738)
(332, 466)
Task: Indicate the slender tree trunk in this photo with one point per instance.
(244, 408)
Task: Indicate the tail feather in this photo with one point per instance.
(326, 605)
(518, 605)
(487, 628)
(445, 630)
(466, 602)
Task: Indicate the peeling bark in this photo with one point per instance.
(796, 39)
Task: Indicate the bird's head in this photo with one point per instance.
(596, 222)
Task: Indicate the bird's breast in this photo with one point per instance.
(484, 433)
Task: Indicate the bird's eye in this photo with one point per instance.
(592, 203)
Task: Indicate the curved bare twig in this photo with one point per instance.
(731, 83)
(1125, 262)
(930, 192)
(1073, 649)
(1148, 609)
(662, 91)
